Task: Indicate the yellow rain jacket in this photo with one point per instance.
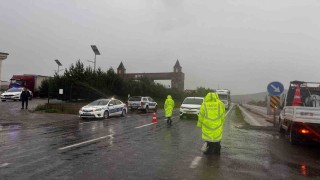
(168, 106)
(211, 118)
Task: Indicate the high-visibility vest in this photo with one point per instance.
(211, 120)
(168, 106)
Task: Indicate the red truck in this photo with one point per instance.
(30, 81)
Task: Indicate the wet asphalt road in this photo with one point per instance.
(64, 147)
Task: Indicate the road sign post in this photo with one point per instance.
(275, 89)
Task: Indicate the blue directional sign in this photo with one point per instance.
(275, 88)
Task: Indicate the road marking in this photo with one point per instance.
(85, 142)
(4, 165)
(145, 125)
(195, 162)
(229, 110)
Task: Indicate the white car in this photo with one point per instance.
(13, 94)
(103, 108)
(191, 106)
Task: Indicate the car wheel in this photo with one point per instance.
(3, 100)
(106, 115)
(123, 113)
(147, 109)
(155, 109)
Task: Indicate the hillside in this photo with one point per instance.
(249, 97)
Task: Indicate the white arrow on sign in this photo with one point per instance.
(276, 89)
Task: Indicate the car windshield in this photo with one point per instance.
(17, 81)
(99, 102)
(135, 98)
(193, 101)
(223, 96)
(14, 90)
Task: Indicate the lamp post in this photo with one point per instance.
(96, 52)
(59, 64)
(3, 56)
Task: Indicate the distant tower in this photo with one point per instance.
(178, 77)
(177, 68)
(121, 70)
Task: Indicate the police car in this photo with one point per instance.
(103, 108)
(143, 103)
(14, 94)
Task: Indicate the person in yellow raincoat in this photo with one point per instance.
(168, 107)
(211, 121)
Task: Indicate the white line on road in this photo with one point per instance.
(229, 110)
(145, 125)
(85, 142)
(195, 162)
(4, 165)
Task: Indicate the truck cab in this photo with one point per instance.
(224, 95)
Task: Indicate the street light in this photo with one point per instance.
(96, 52)
(59, 64)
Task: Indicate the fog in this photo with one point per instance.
(238, 45)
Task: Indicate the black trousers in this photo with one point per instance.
(213, 147)
(24, 101)
(169, 121)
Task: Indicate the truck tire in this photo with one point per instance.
(293, 138)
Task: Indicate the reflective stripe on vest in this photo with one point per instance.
(212, 129)
(214, 139)
(219, 115)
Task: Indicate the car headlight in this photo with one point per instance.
(99, 109)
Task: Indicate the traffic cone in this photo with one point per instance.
(297, 97)
(154, 118)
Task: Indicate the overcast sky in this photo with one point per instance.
(241, 45)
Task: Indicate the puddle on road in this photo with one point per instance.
(305, 170)
(10, 126)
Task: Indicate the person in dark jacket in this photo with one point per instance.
(25, 94)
